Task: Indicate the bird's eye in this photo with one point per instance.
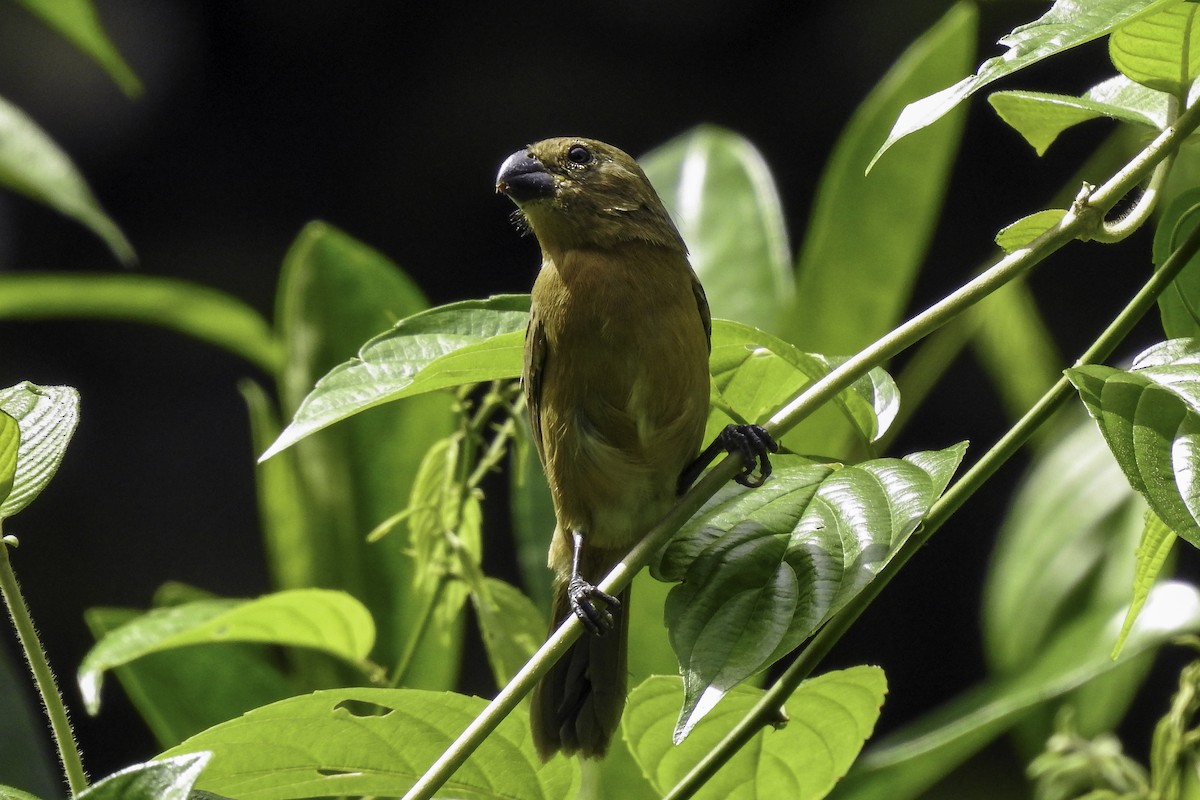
(580, 155)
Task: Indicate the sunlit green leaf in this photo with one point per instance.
(77, 21)
(762, 569)
(47, 416)
(904, 764)
(446, 346)
(864, 245)
(1179, 305)
(1067, 24)
(1041, 117)
(168, 779)
(32, 164)
(10, 441)
(188, 308)
(1150, 416)
(1025, 230)
(370, 742)
(320, 619)
(182, 691)
(722, 196)
(1152, 553)
(1160, 50)
(830, 717)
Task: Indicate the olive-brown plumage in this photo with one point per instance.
(616, 379)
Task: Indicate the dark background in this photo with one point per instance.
(389, 120)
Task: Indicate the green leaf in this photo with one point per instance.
(1065, 549)
(1067, 24)
(47, 416)
(334, 294)
(723, 198)
(445, 346)
(854, 279)
(1065, 524)
(512, 627)
(181, 692)
(1019, 234)
(906, 763)
(9, 793)
(1040, 117)
(320, 619)
(761, 570)
(1150, 416)
(752, 372)
(1179, 305)
(32, 164)
(1160, 50)
(10, 441)
(205, 314)
(169, 779)
(1153, 550)
(77, 21)
(830, 717)
(370, 742)
(281, 498)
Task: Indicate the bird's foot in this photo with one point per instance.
(753, 444)
(583, 596)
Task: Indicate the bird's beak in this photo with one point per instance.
(522, 177)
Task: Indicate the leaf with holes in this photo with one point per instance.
(762, 569)
(1150, 417)
(321, 619)
(370, 742)
(47, 416)
(829, 718)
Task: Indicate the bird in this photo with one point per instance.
(616, 383)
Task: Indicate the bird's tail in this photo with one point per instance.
(577, 705)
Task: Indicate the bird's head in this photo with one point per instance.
(575, 192)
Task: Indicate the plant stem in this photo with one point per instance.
(1083, 219)
(767, 708)
(43, 677)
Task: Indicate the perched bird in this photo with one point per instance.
(617, 384)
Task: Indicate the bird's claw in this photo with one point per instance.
(753, 444)
(583, 596)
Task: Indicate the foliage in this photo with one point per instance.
(340, 681)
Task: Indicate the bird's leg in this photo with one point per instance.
(583, 596)
(751, 442)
